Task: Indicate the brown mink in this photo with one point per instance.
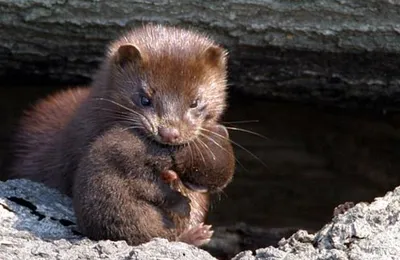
(162, 84)
(141, 203)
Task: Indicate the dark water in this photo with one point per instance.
(312, 160)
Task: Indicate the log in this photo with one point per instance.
(335, 52)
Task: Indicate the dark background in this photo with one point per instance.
(312, 159)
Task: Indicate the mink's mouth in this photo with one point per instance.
(157, 139)
(195, 187)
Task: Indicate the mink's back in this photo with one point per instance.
(34, 151)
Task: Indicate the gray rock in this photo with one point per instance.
(365, 232)
(37, 223)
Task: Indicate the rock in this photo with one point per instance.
(364, 232)
(38, 223)
(331, 51)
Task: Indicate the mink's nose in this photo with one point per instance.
(168, 134)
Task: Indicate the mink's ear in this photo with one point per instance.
(216, 56)
(128, 53)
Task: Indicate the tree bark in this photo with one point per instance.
(332, 51)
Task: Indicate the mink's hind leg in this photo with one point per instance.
(121, 193)
(117, 196)
(106, 209)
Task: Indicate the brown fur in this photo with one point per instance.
(125, 166)
(38, 154)
(209, 163)
(85, 141)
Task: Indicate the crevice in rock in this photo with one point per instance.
(6, 207)
(27, 204)
(64, 222)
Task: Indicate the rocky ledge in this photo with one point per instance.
(38, 223)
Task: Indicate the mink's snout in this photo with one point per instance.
(169, 134)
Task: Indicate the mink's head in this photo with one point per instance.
(170, 83)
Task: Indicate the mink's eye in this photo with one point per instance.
(144, 101)
(194, 103)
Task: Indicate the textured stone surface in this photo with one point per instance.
(333, 51)
(37, 223)
(364, 232)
